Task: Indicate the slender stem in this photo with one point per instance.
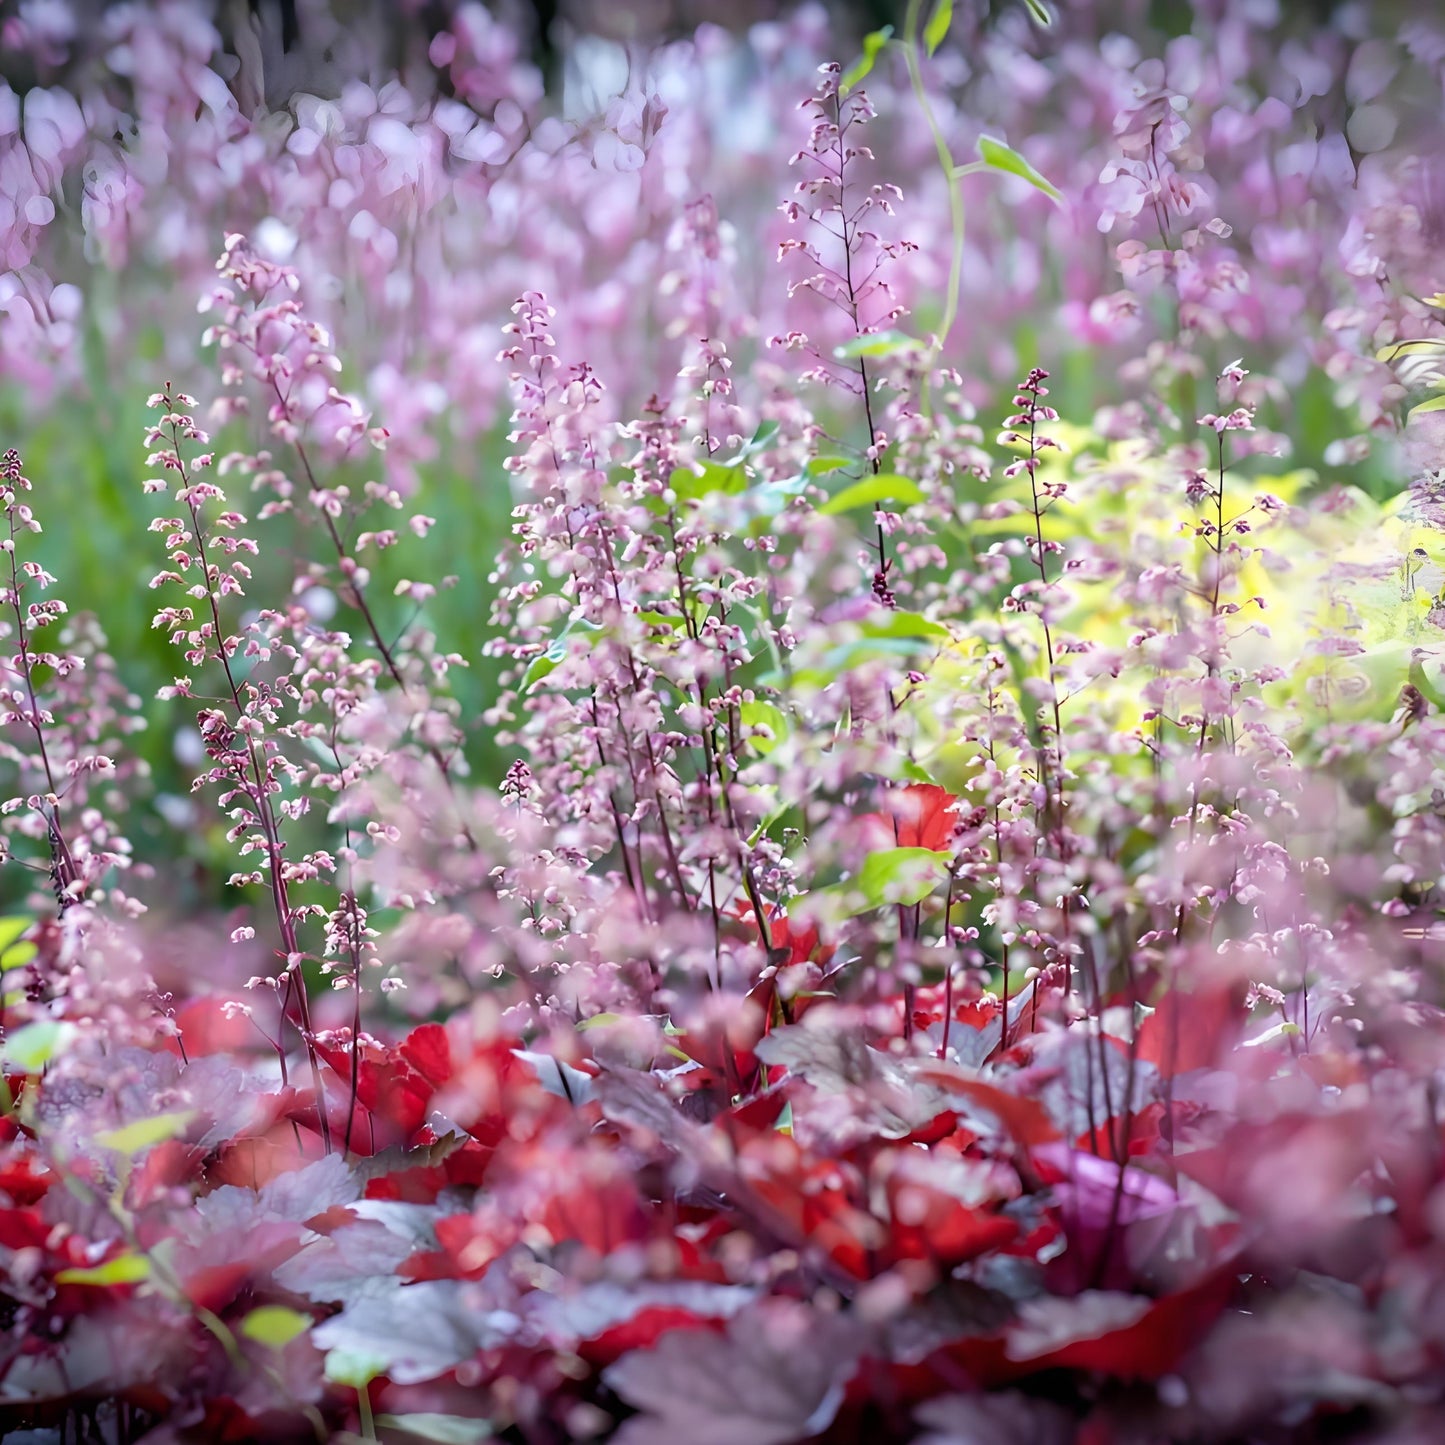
(1126, 1132)
(63, 871)
(257, 789)
(956, 214)
(358, 593)
(847, 239)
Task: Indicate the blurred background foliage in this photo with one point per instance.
(82, 444)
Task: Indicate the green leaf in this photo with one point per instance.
(274, 1325)
(1428, 686)
(761, 439)
(1039, 13)
(693, 483)
(764, 714)
(902, 875)
(844, 658)
(597, 1021)
(143, 1134)
(907, 771)
(123, 1269)
(1436, 403)
(15, 951)
(906, 624)
(877, 343)
(821, 466)
(885, 487)
(354, 1367)
(999, 157)
(33, 1045)
(18, 956)
(770, 498)
(11, 929)
(937, 27)
(897, 876)
(1423, 347)
(556, 651)
(872, 48)
(443, 1429)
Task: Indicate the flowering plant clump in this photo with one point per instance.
(739, 786)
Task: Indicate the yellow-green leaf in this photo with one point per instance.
(275, 1325)
(999, 157)
(906, 624)
(548, 661)
(123, 1269)
(871, 491)
(1422, 346)
(901, 876)
(143, 1134)
(877, 343)
(859, 70)
(937, 27)
(33, 1045)
(693, 483)
(597, 1021)
(15, 951)
(1436, 403)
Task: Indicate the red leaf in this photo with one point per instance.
(810, 1198)
(428, 1051)
(172, 1162)
(1151, 1346)
(332, 1218)
(643, 1331)
(721, 1036)
(23, 1180)
(214, 1287)
(919, 816)
(469, 1243)
(22, 1229)
(949, 1234)
(1125, 1337)
(603, 1213)
(942, 1207)
(762, 1112)
(257, 1161)
(207, 1026)
(1025, 1120)
(802, 941)
(1189, 1031)
(464, 1168)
